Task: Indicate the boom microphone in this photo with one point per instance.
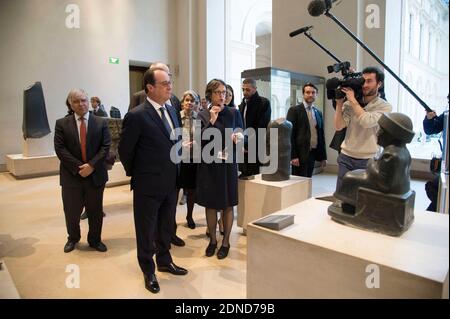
(318, 7)
(300, 31)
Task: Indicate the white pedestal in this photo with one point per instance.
(258, 198)
(36, 147)
(7, 288)
(319, 258)
(117, 176)
(25, 167)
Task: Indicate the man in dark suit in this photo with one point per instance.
(256, 113)
(97, 107)
(145, 151)
(308, 138)
(82, 142)
(97, 110)
(140, 97)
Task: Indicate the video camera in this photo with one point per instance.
(351, 80)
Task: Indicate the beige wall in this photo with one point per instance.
(37, 46)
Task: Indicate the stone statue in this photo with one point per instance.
(379, 198)
(35, 121)
(283, 172)
(115, 129)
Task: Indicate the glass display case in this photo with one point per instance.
(284, 88)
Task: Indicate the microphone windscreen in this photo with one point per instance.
(333, 83)
(316, 8)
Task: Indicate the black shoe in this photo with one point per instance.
(177, 241)
(151, 283)
(223, 252)
(101, 247)
(210, 250)
(70, 245)
(190, 223)
(173, 269)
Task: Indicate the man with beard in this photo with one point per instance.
(361, 121)
(256, 113)
(308, 138)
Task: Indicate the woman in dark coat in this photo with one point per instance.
(188, 115)
(217, 182)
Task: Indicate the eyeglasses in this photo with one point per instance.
(224, 93)
(165, 83)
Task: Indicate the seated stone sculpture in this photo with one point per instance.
(283, 172)
(115, 129)
(379, 198)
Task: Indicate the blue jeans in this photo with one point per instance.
(348, 164)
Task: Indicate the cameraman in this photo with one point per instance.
(361, 121)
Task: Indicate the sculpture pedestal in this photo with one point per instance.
(26, 167)
(258, 198)
(319, 258)
(117, 176)
(7, 288)
(36, 147)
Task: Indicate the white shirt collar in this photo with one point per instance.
(155, 105)
(86, 116)
(308, 105)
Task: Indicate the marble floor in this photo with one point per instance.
(33, 233)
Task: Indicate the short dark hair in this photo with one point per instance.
(252, 82)
(149, 77)
(375, 70)
(212, 86)
(310, 85)
(96, 99)
(229, 87)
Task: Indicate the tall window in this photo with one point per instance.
(249, 40)
(423, 66)
(410, 32)
(421, 42)
(430, 49)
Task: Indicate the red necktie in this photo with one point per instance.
(83, 139)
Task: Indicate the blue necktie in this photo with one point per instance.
(165, 121)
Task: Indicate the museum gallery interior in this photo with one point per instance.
(224, 149)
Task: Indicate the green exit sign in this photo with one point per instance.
(114, 60)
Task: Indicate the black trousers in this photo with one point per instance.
(153, 221)
(88, 197)
(306, 169)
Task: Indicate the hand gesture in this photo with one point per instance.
(85, 170)
(295, 162)
(350, 95)
(431, 115)
(214, 112)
